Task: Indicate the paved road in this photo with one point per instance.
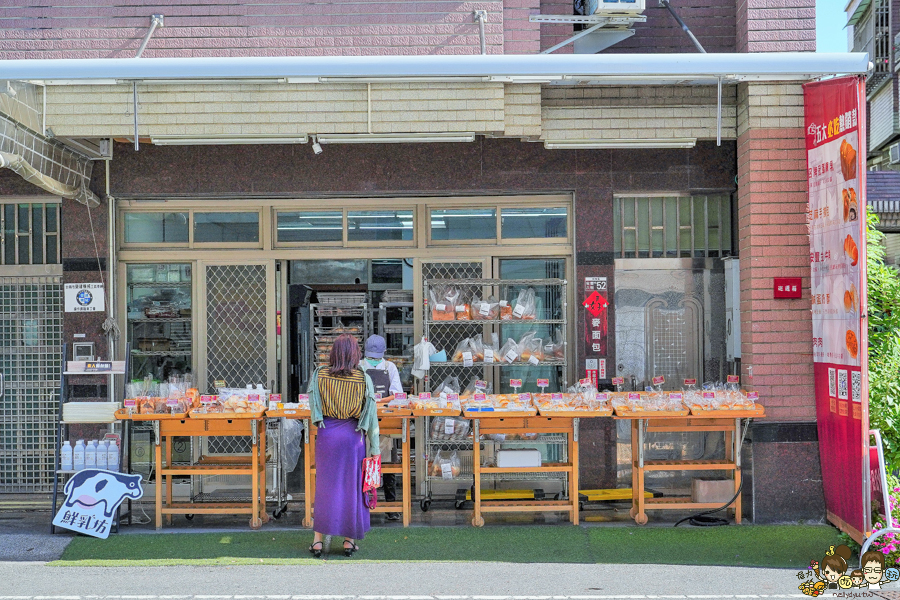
(403, 581)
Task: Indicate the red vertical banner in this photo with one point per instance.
(596, 334)
(835, 120)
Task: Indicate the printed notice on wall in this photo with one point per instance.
(84, 297)
(835, 150)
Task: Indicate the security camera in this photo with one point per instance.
(316, 146)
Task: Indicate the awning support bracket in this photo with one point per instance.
(480, 16)
(155, 21)
(578, 35)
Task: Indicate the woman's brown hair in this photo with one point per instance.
(838, 560)
(344, 357)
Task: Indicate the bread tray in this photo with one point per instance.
(394, 411)
(568, 412)
(499, 414)
(624, 413)
(122, 414)
(231, 416)
(757, 411)
(289, 413)
(436, 412)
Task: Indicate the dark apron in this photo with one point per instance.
(381, 381)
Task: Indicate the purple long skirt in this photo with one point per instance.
(340, 509)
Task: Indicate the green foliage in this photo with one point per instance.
(884, 344)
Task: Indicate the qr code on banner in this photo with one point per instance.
(832, 383)
(842, 384)
(856, 386)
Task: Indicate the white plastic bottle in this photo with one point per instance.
(90, 455)
(78, 456)
(101, 455)
(112, 456)
(65, 456)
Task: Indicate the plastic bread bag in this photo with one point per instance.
(472, 388)
(492, 350)
(450, 385)
(435, 465)
(506, 310)
(451, 468)
(533, 351)
(442, 308)
(463, 312)
(463, 352)
(525, 307)
(476, 345)
(554, 349)
(485, 310)
(509, 353)
(524, 347)
(449, 428)
(421, 352)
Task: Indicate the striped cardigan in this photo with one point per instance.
(368, 419)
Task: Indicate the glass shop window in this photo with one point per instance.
(310, 226)
(535, 222)
(156, 227)
(221, 227)
(464, 224)
(380, 226)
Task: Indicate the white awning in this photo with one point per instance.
(599, 68)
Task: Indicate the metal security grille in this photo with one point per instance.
(236, 349)
(449, 337)
(672, 227)
(30, 341)
(29, 234)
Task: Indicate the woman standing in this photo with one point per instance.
(342, 403)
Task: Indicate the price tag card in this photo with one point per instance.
(556, 396)
(252, 397)
(172, 402)
(584, 381)
(676, 396)
(515, 383)
(734, 379)
(488, 355)
(97, 367)
(440, 307)
(484, 309)
(378, 396)
(208, 399)
(534, 360)
(452, 397)
(709, 395)
(659, 380)
(129, 402)
(480, 385)
(449, 426)
(219, 383)
(467, 359)
(602, 397)
(518, 311)
(753, 396)
(690, 382)
(524, 397)
(400, 396)
(479, 397)
(511, 356)
(425, 396)
(542, 383)
(504, 303)
(634, 395)
(303, 397)
(461, 308)
(274, 397)
(618, 381)
(446, 470)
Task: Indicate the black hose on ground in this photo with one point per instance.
(702, 520)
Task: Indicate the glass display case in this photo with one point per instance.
(159, 319)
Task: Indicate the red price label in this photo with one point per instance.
(400, 396)
(618, 381)
(675, 396)
(556, 396)
(425, 396)
(303, 397)
(172, 402)
(584, 381)
(659, 380)
(734, 379)
(480, 385)
(634, 396)
(130, 402)
(753, 396)
(690, 382)
(516, 383)
(274, 397)
(709, 395)
(479, 397)
(524, 397)
(252, 397)
(208, 399)
(378, 395)
(542, 383)
(602, 397)
(453, 397)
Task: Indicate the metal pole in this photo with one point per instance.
(719, 114)
(137, 145)
(480, 16)
(580, 34)
(155, 21)
(683, 25)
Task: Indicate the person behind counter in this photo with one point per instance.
(386, 381)
(342, 406)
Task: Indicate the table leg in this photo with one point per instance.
(157, 457)
(640, 517)
(477, 519)
(261, 426)
(168, 478)
(255, 520)
(573, 459)
(407, 488)
(634, 469)
(736, 439)
(307, 472)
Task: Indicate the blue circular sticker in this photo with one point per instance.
(84, 297)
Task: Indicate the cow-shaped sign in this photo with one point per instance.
(92, 498)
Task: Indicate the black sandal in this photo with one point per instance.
(348, 551)
(316, 552)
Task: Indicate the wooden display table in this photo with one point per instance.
(390, 422)
(732, 423)
(492, 423)
(217, 424)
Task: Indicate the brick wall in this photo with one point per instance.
(552, 34)
(519, 35)
(776, 335)
(711, 21)
(113, 29)
(776, 26)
